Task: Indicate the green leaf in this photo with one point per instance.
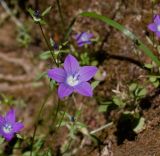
(149, 66)
(52, 84)
(156, 84)
(94, 63)
(40, 76)
(42, 22)
(95, 84)
(142, 92)
(125, 31)
(19, 136)
(1, 140)
(140, 126)
(28, 153)
(118, 101)
(63, 123)
(37, 19)
(69, 29)
(45, 12)
(152, 78)
(51, 42)
(78, 113)
(31, 12)
(133, 87)
(45, 55)
(65, 43)
(103, 108)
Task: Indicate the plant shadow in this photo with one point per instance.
(125, 126)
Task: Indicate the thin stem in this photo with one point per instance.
(80, 107)
(58, 105)
(36, 125)
(101, 128)
(61, 120)
(60, 12)
(55, 114)
(54, 61)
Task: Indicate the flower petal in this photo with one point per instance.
(80, 44)
(57, 74)
(10, 116)
(87, 72)
(9, 136)
(17, 127)
(157, 19)
(71, 65)
(90, 35)
(84, 88)
(77, 36)
(158, 34)
(152, 27)
(1, 120)
(64, 90)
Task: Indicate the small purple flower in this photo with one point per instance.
(8, 125)
(73, 77)
(83, 38)
(155, 26)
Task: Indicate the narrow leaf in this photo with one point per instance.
(45, 12)
(125, 31)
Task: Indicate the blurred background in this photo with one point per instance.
(118, 60)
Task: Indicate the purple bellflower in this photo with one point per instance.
(83, 38)
(8, 125)
(73, 77)
(155, 26)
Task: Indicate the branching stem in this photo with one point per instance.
(54, 61)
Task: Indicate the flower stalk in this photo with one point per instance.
(54, 61)
(38, 117)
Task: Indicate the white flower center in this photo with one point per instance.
(84, 38)
(72, 80)
(7, 128)
(158, 27)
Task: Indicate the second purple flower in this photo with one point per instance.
(83, 38)
(155, 26)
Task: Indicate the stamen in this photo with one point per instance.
(73, 80)
(84, 38)
(7, 128)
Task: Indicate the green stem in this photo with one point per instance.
(54, 61)
(36, 125)
(58, 105)
(75, 102)
(61, 120)
(60, 12)
(55, 114)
